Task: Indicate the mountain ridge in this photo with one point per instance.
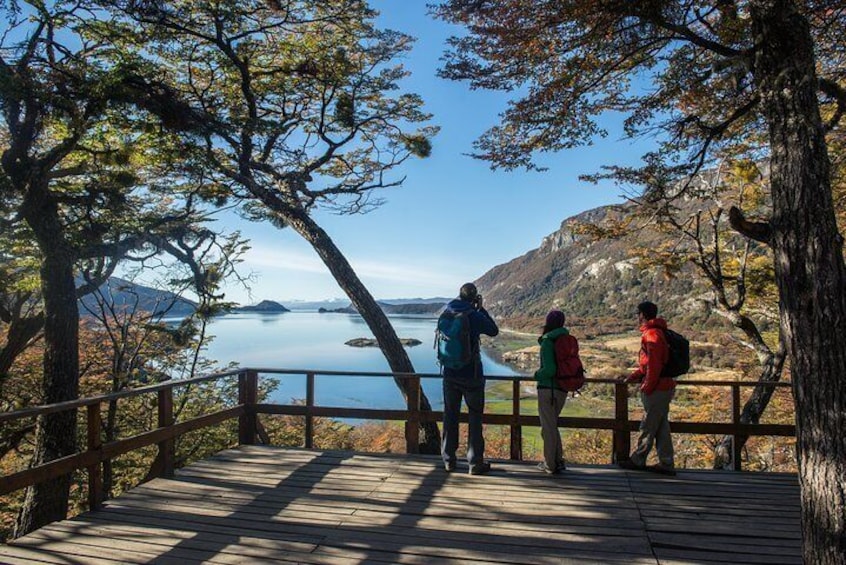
(589, 278)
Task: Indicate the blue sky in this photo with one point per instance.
(453, 218)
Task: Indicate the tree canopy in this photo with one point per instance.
(759, 80)
(88, 180)
(287, 106)
(683, 71)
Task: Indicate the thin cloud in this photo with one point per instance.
(259, 257)
(263, 258)
(399, 272)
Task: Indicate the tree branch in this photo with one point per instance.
(759, 231)
(838, 93)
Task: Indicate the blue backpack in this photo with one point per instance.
(453, 340)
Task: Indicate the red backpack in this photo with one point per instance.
(570, 373)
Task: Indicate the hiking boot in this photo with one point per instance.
(662, 469)
(480, 468)
(630, 465)
(449, 466)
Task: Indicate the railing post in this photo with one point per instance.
(167, 447)
(622, 438)
(737, 463)
(412, 426)
(247, 397)
(516, 428)
(309, 417)
(95, 472)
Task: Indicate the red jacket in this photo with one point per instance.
(654, 353)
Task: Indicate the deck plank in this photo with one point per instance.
(272, 505)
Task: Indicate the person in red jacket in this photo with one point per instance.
(656, 392)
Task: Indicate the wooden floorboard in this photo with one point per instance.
(273, 505)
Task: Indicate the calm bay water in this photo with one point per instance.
(309, 340)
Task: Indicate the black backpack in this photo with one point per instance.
(678, 360)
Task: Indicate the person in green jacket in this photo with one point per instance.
(550, 398)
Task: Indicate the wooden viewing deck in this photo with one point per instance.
(269, 505)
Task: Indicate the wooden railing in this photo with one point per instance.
(250, 429)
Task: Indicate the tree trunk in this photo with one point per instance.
(55, 433)
(772, 368)
(366, 305)
(809, 270)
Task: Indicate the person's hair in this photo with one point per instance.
(648, 309)
(468, 292)
(554, 319)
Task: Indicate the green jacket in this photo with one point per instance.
(545, 376)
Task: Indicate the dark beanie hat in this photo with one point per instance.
(555, 319)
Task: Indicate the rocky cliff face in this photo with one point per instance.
(586, 278)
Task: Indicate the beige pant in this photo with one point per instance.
(655, 428)
(550, 404)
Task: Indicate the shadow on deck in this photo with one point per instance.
(272, 505)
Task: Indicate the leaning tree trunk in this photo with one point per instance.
(809, 270)
(772, 367)
(55, 434)
(366, 305)
(21, 333)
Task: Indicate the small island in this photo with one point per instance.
(370, 342)
(264, 306)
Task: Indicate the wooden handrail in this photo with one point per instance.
(248, 409)
(82, 402)
(65, 465)
(88, 401)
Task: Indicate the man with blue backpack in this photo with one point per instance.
(457, 344)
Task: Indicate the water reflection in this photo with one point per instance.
(309, 340)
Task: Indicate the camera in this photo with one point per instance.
(477, 302)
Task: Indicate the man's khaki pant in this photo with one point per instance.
(655, 428)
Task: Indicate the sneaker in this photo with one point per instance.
(449, 466)
(542, 466)
(560, 468)
(630, 465)
(480, 468)
(662, 469)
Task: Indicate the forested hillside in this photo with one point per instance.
(590, 278)
(127, 294)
